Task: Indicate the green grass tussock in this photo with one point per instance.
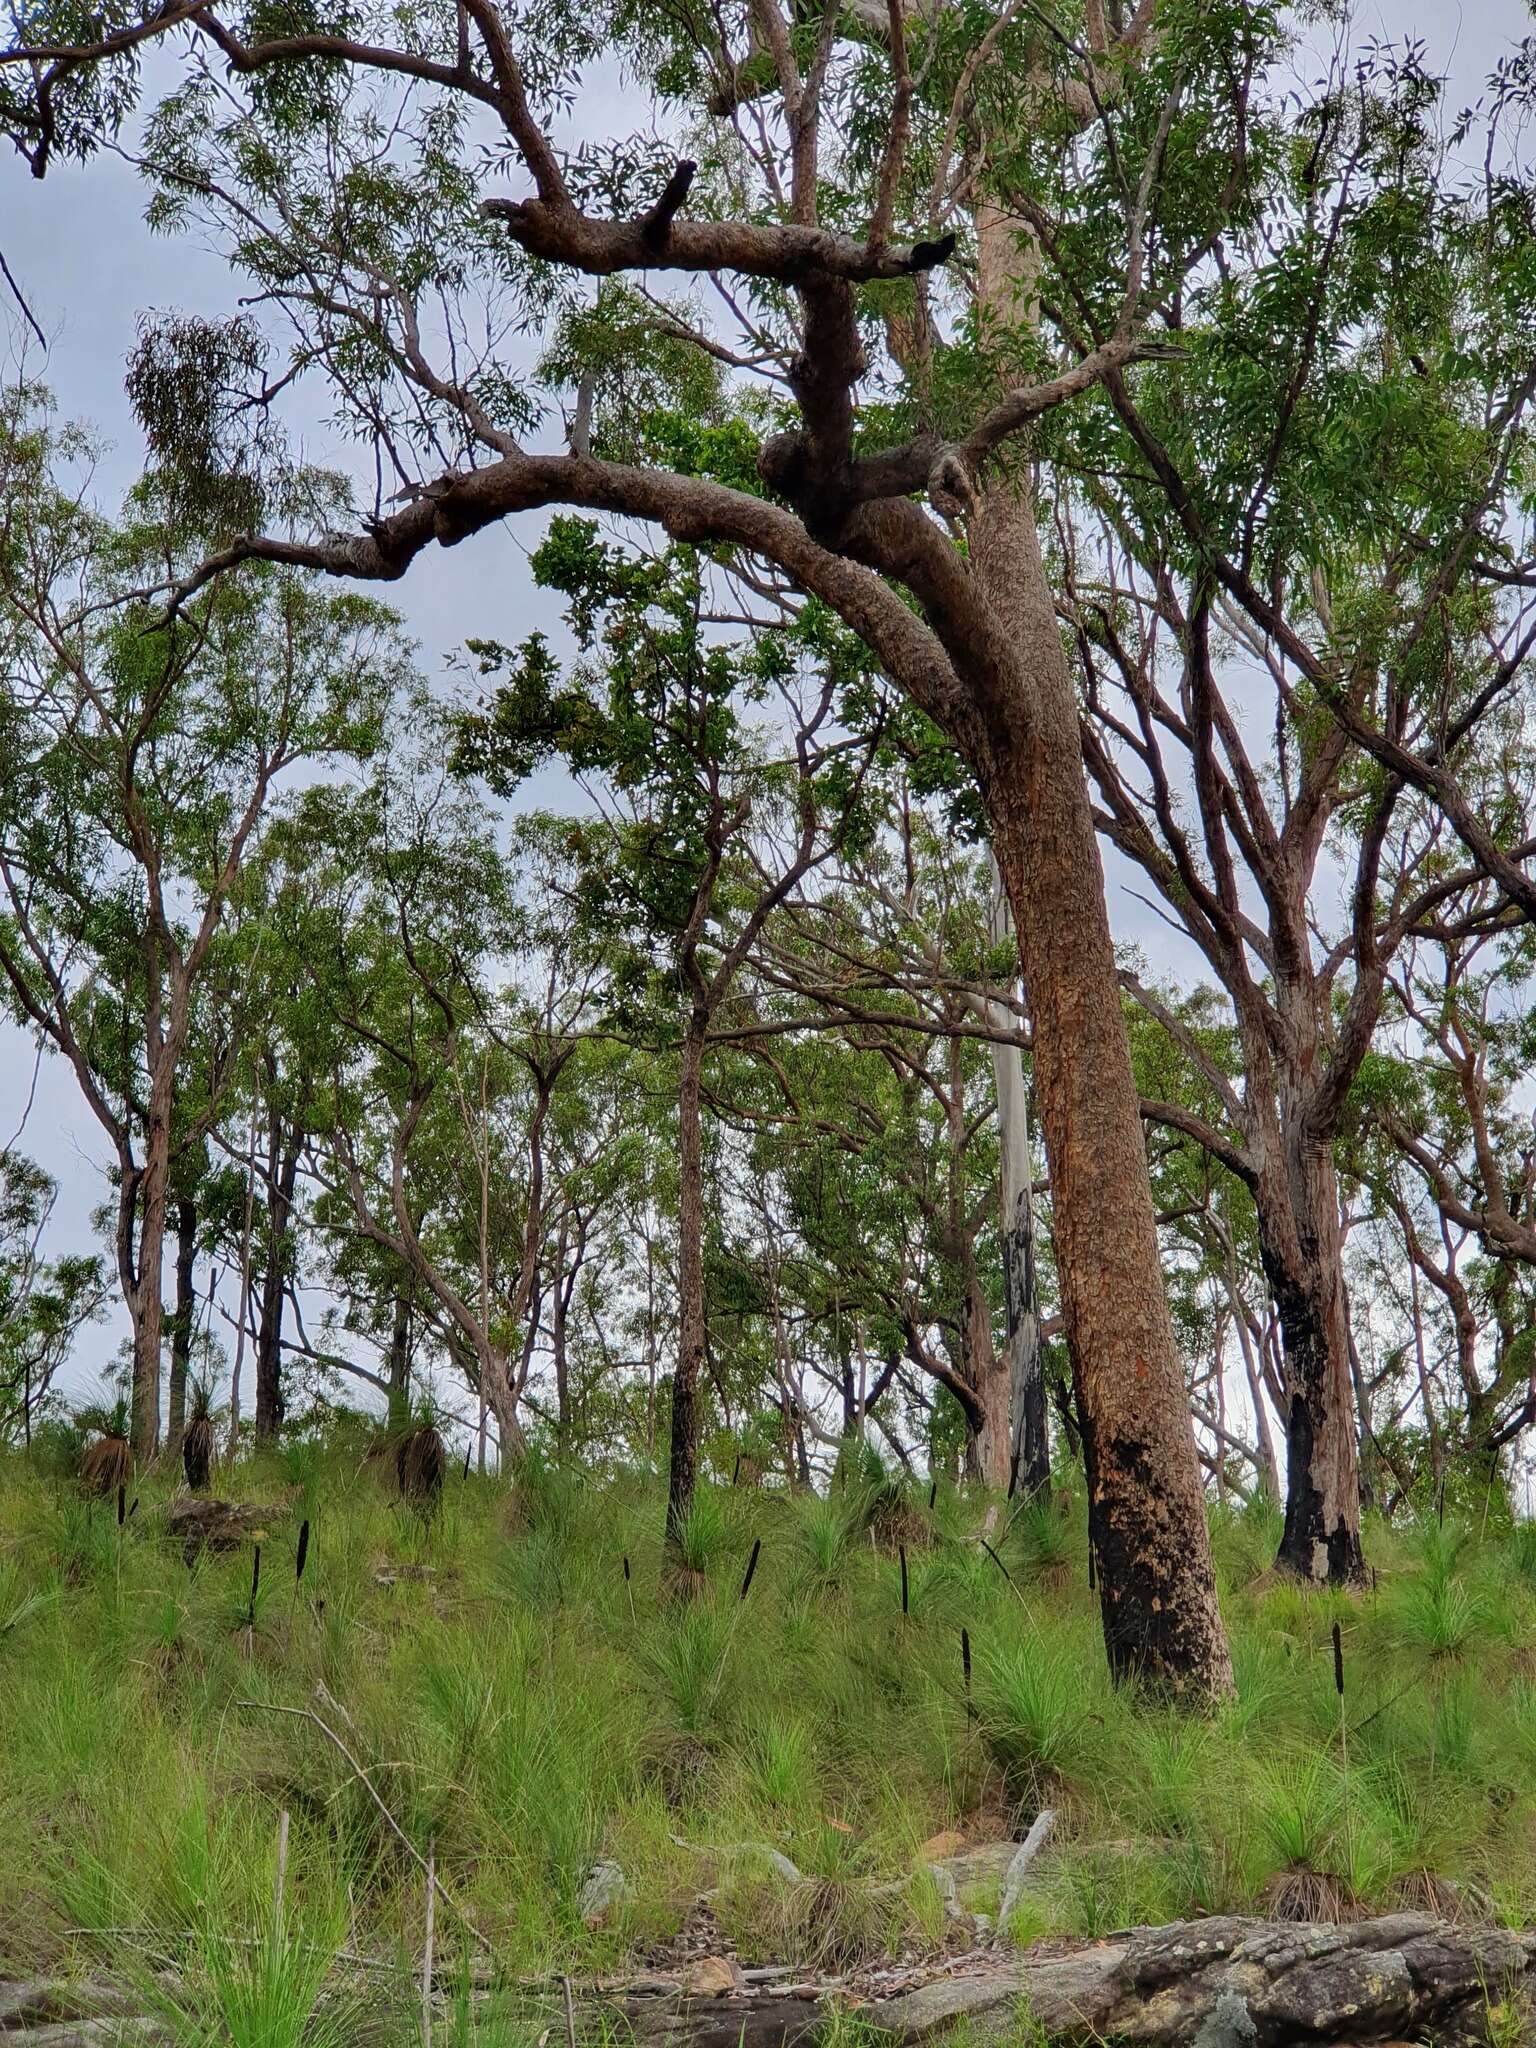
(526, 1710)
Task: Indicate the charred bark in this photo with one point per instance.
(1302, 1256)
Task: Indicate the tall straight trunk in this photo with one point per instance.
(988, 1416)
(243, 1296)
(398, 1367)
(1029, 1450)
(1269, 1465)
(988, 1448)
(283, 1170)
(1426, 1391)
(1157, 1585)
(682, 1468)
(560, 1302)
(141, 1255)
(181, 1331)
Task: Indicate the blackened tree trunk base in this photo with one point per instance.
(1218, 1983)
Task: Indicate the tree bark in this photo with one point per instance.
(181, 1334)
(282, 1170)
(399, 1368)
(1147, 1522)
(1297, 1199)
(141, 1254)
(989, 1447)
(1029, 1453)
(682, 1470)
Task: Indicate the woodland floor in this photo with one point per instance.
(612, 1787)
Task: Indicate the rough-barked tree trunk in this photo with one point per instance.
(1302, 1255)
(1296, 1198)
(1146, 1506)
(185, 1316)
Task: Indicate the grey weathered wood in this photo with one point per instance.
(1018, 1869)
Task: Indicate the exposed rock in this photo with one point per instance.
(713, 1977)
(46, 2012)
(1246, 1981)
(1219, 1983)
(33, 1999)
(606, 1887)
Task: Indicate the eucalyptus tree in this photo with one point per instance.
(904, 952)
(842, 161)
(1285, 565)
(45, 1301)
(1446, 1149)
(139, 756)
(707, 820)
(870, 1157)
(431, 1066)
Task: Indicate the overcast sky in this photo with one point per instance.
(88, 268)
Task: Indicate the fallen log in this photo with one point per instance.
(1220, 1983)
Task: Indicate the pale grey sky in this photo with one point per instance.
(88, 267)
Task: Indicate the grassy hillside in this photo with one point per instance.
(526, 1710)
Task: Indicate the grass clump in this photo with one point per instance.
(526, 1708)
